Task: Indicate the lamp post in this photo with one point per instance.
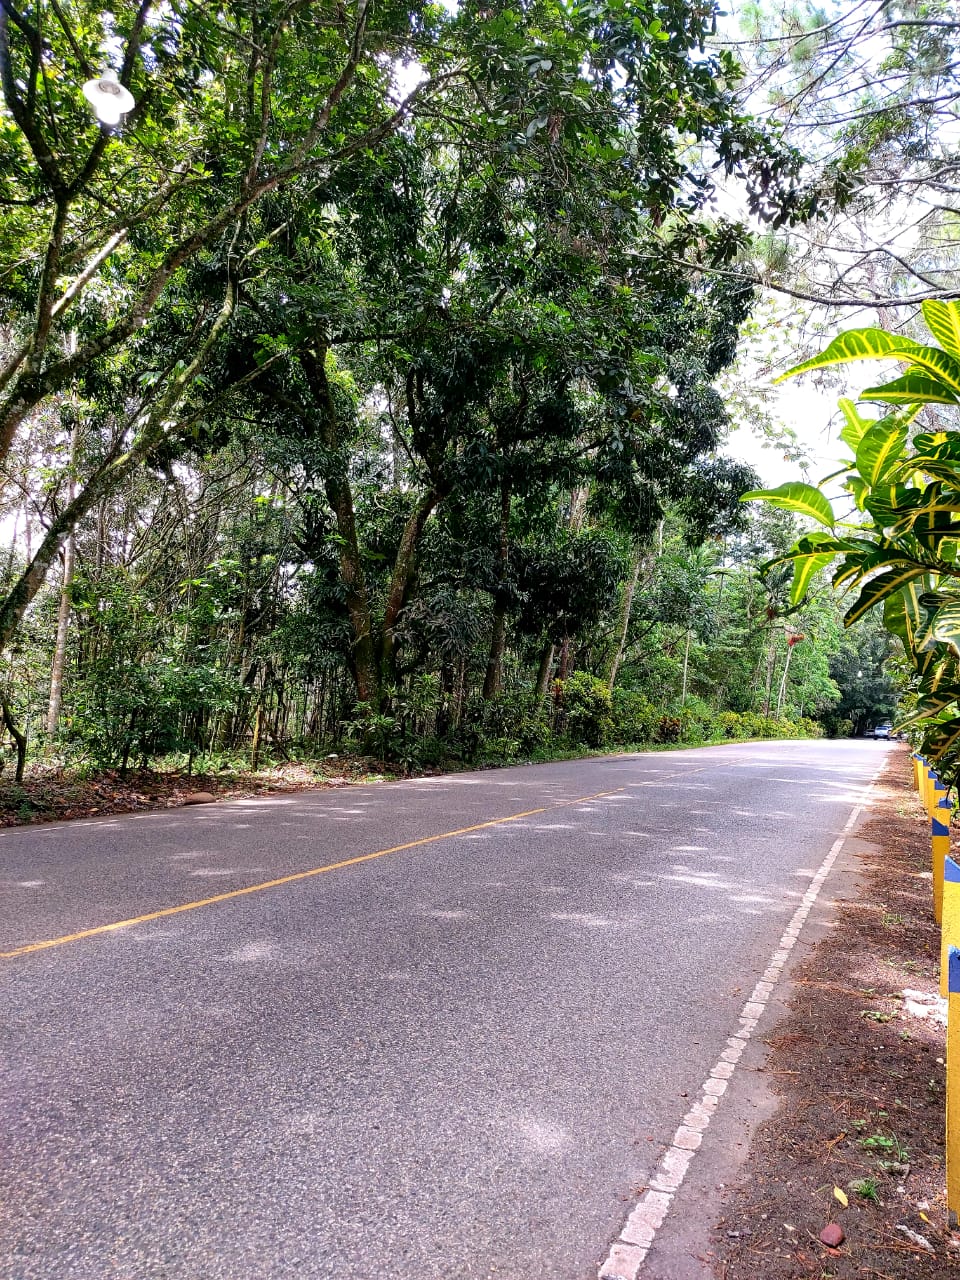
(108, 97)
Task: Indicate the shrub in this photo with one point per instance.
(635, 718)
(697, 720)
(731, 725)
(668, 729)
(586, 707)
(513, 723)
(811, 728)
(752, 724)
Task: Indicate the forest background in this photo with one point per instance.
(368, 387)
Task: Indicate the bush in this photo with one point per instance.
(697, 721)
(812, 728)
(514, 723)
(635, 718)
(752, 724)
(586, 709)
(730, 725)
(668, 729)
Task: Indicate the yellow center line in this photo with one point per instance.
(290, 879)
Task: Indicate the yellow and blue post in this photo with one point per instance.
(953, 1082)
(934, 785)
(950, 935)
(940, 847)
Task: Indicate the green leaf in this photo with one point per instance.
(880, 449)
(930, 707)
(939, 677)
(941, 738)
(802, 499)
(877, 344)
(943, 321)
(915, 387)
(878, 588)
(897, 618)
(804, 570)
(853, 432)
(945, 624)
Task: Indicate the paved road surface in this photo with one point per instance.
(460, 1058)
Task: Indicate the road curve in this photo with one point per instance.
(444, 1030)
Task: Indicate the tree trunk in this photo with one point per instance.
(498, 638)
(686, 666)
(400, 581)
(783, 682)
(768, 684)
(63, 617)
(18, 738)
(257, 731)
(563, 669)
(336, 485)
(546, 666)
(626, 608)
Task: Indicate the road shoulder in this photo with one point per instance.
(844, 1090)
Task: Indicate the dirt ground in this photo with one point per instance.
(51, 794)
(858, 1138)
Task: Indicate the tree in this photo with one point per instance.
(869, 92)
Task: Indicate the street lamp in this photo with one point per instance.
(109, 99)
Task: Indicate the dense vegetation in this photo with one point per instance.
(360, 387)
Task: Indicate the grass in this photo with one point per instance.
(866, 1189)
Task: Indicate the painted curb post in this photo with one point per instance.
(917, 762)
(927, 787)
(934, 787)
(940, 846)
(953, 1084)
(951, 919)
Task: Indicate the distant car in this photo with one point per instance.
(884, 730)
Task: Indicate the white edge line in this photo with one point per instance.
(627, 1254)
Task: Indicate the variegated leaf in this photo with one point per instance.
(802, 499)
(945, 624)
(916, 386)
(943, 321)
(877, 344)
(941, 738)
(878, 588)
(856, 425)
(805, 568)
(930, 707)
(880, 449)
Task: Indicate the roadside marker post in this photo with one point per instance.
(915, 760)
(950, 936)
(935, 792)
(927, 780)
(940, 846)
(953, 1084)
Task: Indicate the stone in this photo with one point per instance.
(199, 797)
(832, 1235)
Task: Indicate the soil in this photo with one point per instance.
(859, 1071)
(49, 794)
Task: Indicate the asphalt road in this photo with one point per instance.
(460, 1058)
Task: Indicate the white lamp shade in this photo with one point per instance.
(109, 99)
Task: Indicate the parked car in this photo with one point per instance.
(883, 730)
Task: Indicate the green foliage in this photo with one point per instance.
(635, 717)
(902, 554)
(587, 709)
